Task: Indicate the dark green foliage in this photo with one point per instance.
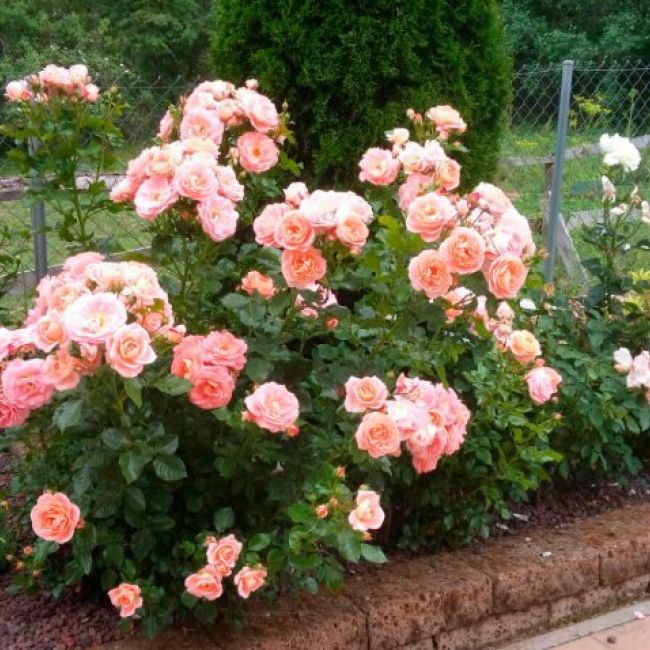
(349, 69)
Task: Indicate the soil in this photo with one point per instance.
(39, 622)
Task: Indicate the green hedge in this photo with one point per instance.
(350, 68)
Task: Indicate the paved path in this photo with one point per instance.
(623, 629)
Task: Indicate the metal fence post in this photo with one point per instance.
(39, 236)
(558, 169)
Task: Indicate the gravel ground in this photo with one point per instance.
(75, 622)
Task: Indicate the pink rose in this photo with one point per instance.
(524, 346)
(49, 331)
(195, 179)
(218, 217)
(93, 318)
(429, 272)
(154, 196)
(352, 232)
(491, 198)
(421, 160)
(257, 152)
(76, 265)
(378, 167)
(90, 93)
(127, 598)
(430, 215)
(368, 514)
(294, 232)
(61, 370)
(222, 348)
(446, 119)
(79, 74)
(265, 225)
(273, 407)
(165, 127)
(464, 249)
(301, 269)
(229, 186)
(129, 350)
(295, 194)
(17, 91)
(254, 281)
(639, 373)
(188, 357)
(201, 123)
(163, 161)
(326, 298)
(24, 385)
(223, 554)
(205, 583)
(623, 359)
(408, 416)
(414, 186)
(458, 299)
(378, 435)
(261, 112)
(447, 174)
(506, 276)
(212, 387)
(364, 394)
(230, 112)
(322, 208)
(10, 414)
(543, 383)
(249, 580)
(55, 517)
(124, 190)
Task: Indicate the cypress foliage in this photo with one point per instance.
(350, 68)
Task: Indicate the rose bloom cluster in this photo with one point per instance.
(211, 364)
(94, 311)
(636, 369)
(54, 81)
(305, 221)
(222, 556)
(428, 417)
(189, 173)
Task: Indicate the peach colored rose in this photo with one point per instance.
(223, 554)
(90, 93)
(398, 136)
(163, 161)
(273, 407)
(321, 511)
(364, 394)
(458, 299)
(378, 167)
(154, 196)
(506, 275)
(352, 232)
(230, 112)
(61, 370)
(249, 580)
(301, 269)
(254, 281)
(218, 217)
(257, 152)
(429, 272)
(229, 186)
(464, 250)
(322, 208)
(265, 224)
(261, 111)
(543, 383)
(222, 348)
(49, 331)
(639, 374)
(17, 91)
(201, 123)
(79, 74)
(524, 346)
(446, 119)
(408, 416)
(127, 598)
(10, 414)
(187, 357)
(418, 159)
(212, 387)
(124, 190)
(426, 459)
(492, 198)
(165, 127)
(295, 194)
(378, 435)
(93, 318)
(294, 232)
(447, 174)
(623, 359)
(55, 517)
(368, 514)
(24, 385)
(129, 350)
(195, 179)
(414, 186)
(76, 265)
(430, 215)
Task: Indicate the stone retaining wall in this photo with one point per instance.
(466, 600)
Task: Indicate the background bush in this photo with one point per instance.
(348, 69)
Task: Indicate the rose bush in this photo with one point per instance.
(296, 382)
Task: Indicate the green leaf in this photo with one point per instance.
(188, 600)
(169, 468)
(133, 389)
(259, 542)
(349, 545)
(258, 369)
(300, 513)
(373, 554)
(115, 439)
(135, 498)
(171, 385)
(235, 301)
(224, 519)
(68, 414)
(132, 463)
(142, 543)
(167, 445)
(113, 555)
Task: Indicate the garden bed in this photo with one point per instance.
(552, 518)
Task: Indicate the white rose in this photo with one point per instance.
(623, 360)
(619, 151)
(527, 304)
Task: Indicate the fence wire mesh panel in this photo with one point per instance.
(604, 99)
